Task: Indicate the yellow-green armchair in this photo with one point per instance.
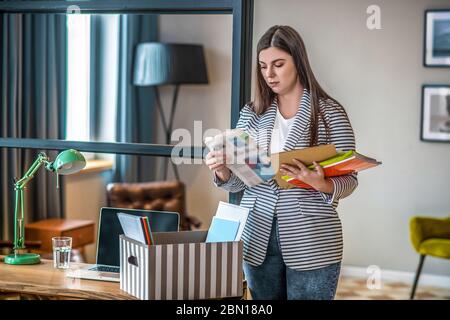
(429, 236)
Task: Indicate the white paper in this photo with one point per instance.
(132, 226)
(240, 148)
(234, 212)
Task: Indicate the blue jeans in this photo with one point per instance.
(273, 280)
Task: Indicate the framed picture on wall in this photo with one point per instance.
(435, 113)
(437, 38)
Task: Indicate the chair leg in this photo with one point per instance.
(419, 270)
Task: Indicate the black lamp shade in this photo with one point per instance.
(159, 63)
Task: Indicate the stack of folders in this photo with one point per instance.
(136, 228)
(228, 223)
(340, 164)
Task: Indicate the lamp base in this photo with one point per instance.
(23, 258)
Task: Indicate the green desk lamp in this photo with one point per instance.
(67, 162)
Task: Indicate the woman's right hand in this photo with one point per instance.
(215, 160)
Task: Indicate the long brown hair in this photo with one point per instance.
(288, 40)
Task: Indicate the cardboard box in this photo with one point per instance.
(181, 266)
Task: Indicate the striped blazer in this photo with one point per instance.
(310, 231)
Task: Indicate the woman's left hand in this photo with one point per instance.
(315, 178)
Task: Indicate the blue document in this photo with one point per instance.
(222, 230)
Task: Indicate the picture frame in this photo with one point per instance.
(437, 38)
(435, 119)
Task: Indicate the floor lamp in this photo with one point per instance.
(175, 64)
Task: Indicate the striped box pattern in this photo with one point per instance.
(181, 271)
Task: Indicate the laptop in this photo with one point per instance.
(107, 267)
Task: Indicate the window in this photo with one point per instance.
(78, 58)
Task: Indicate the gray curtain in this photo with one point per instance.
(33, 99)
(135, 106)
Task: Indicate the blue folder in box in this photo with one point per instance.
(222, 230)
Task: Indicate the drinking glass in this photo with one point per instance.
(61, 252)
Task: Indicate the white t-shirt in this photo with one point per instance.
(280, 132)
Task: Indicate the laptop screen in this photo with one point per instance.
(108, 249)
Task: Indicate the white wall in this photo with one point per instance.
(377, 75)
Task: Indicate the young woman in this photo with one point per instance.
(293, 237)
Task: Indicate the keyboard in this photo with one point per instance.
(103, 268)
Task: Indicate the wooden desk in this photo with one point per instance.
(42, 281)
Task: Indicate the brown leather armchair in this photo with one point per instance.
(156, 195)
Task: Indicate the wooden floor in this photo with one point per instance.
(356, 289)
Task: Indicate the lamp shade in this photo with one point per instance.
(68, 162)
(159, 63)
